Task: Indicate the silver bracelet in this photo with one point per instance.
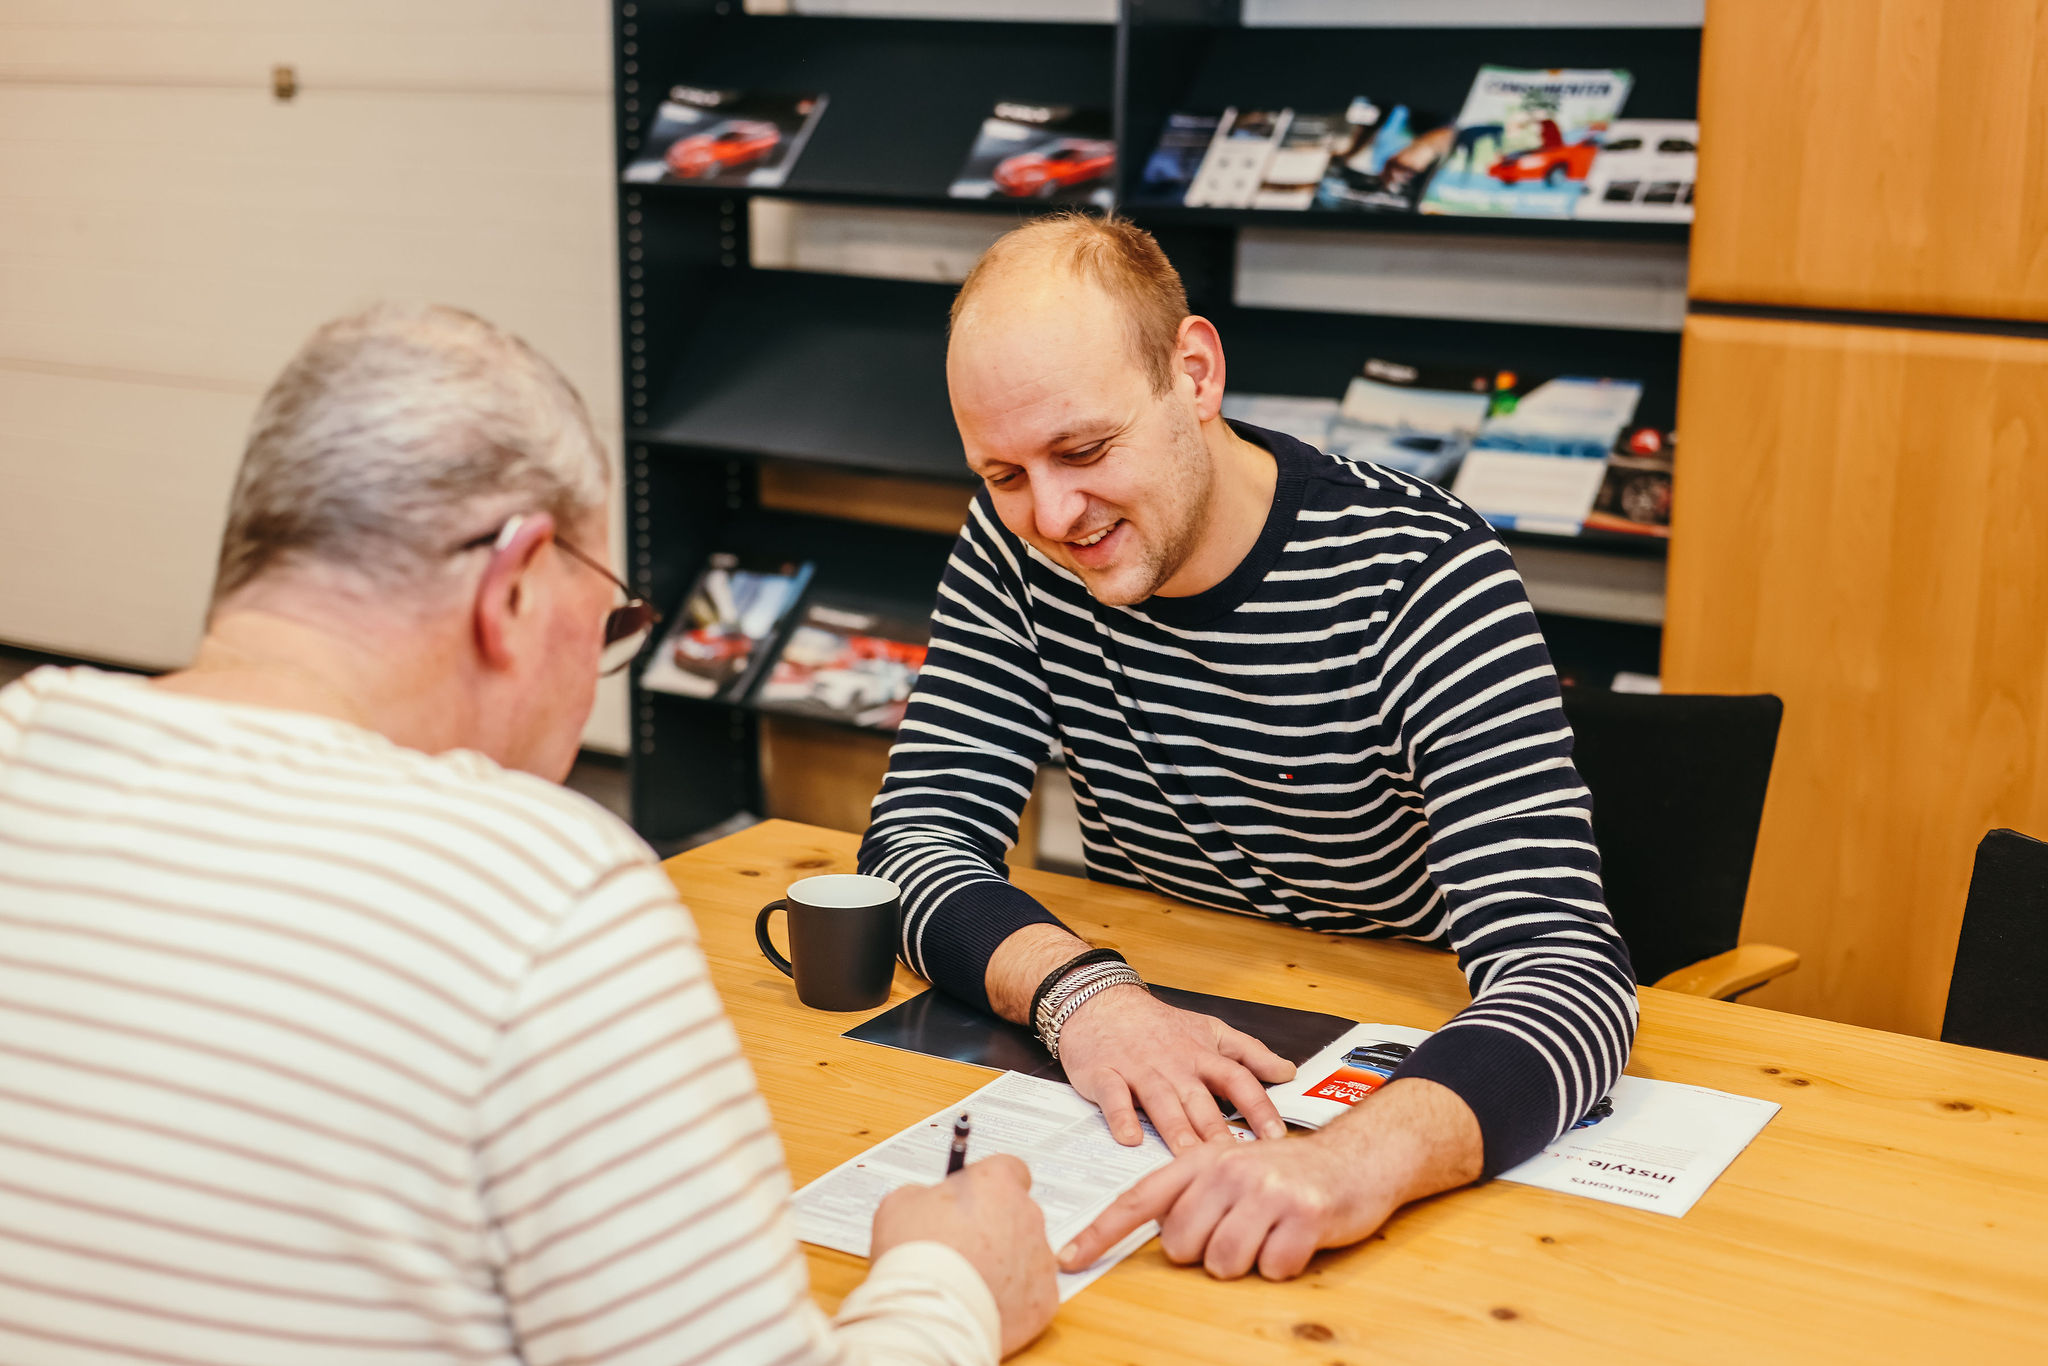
(1063, 990)
(1120, 975)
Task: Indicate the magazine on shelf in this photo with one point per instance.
(1295, 169)
(1644, 172)
(1040, 151)
(1385, 165)
(1172, 166)
(1304, 419)
(1541, 455)
(1235, 165)
(1525, 142)
(726, 137)
(1635, 493)
(845, 663)
(719, 642)
(1418, 419)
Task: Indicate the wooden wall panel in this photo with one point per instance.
(1875, 154)
(1861, 526)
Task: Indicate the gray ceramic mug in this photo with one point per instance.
(843, 931)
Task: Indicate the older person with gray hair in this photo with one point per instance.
(329, 1032)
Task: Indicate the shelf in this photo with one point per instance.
(1546, 229)
(878, 199)
(906, 97)
(834, 370)
(1473, 13)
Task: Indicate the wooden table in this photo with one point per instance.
(1895, 1210)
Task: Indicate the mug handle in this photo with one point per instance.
(761, 935)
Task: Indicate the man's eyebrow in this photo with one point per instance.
(1097, 430)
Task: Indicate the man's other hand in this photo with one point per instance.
(1232, 1206)
(985, 1213)
(1126, 1050)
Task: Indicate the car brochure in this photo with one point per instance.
(725, 137)
(1295, 169)
(843, 663)
(718, 644)
(1040, 151)
(1077, 1168)
(1540, 458)
(1304, 419)
(1635, 493)
(1385, 165)
(1651, 1145)
(1419, 420)
(1235, 166)
(1644, 173)
(1525, 142)
(1172, 166)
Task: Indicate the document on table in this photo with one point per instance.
(1654, 1145)
(1077, 1168)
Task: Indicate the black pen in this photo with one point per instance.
(957, 1158)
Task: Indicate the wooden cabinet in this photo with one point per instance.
(1875, 154)
(1861, 527)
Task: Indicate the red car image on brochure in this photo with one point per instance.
(741, 141)
(1553, 162)
(1075, 161)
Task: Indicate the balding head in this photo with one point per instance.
(1048, 255)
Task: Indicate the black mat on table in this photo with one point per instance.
(939, 1026)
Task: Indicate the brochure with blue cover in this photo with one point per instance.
(1525, 142)
(1538, 465)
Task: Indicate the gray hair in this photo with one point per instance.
(394, 435)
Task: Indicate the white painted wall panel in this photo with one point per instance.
(171, 233)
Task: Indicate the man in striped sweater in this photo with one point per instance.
(332, 1029)
(1284, 685)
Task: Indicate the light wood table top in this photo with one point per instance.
(1895, 1210)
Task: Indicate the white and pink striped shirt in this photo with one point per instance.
(321, 1050)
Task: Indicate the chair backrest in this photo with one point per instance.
(1998, 997)
(1678, 788)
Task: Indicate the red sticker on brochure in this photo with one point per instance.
(1347, 1086)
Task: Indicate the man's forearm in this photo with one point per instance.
(1021, 962)
(1410, 1139)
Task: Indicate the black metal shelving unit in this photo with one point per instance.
(727, 365)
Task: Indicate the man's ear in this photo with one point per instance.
(504, 598)
(1198, 354)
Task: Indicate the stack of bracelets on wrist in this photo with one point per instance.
(1071, 985)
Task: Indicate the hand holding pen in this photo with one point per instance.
(957, 1157)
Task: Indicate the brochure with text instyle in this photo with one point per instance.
(1651, 1145)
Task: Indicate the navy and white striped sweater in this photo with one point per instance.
(1358, 731)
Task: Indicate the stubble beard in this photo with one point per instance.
(1177, 516)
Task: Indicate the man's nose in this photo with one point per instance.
(1058, 505)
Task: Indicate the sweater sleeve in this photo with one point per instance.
(637, 1201)
(1470, 685)
(976, 730)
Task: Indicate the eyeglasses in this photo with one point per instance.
(626, 626)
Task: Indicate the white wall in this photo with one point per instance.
(169, 233)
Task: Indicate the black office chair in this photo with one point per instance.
(1998, 997)
(1678, 788)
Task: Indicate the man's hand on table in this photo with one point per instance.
(985, 1213)
(1127, 1050)
(1232, 1205)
